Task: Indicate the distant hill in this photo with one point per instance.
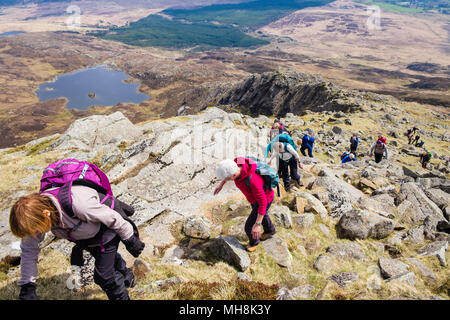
(412, 6)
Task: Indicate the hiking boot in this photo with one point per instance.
(251, 248)
(267, 235)
(130, 280)
(287, 187)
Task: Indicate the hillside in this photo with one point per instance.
(354, 231)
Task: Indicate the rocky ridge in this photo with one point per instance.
(360, 230)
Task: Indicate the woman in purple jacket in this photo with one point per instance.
(94, 227)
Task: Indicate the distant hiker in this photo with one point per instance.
(288, 159)
(244, 173)
(80, 210)
(379, 148)
(277, 128)
(354, 141)
(425, 157)
(347, 157)
(416, 140)
(420, 144)
(307, 144)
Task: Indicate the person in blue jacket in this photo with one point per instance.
(307, 144)
(349, 157)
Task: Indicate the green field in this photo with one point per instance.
(157, 31)
(248, 14)
(418, 6)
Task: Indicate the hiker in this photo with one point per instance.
(354, 141)
(243, 172)
(288, 159)
(277, 128)
(420, 144)
(378, 149)
(307, 144)
(425, 157)
(81, 214)
(347, 157)
(416, 139)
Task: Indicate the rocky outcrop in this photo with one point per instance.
(360, 224)
(277, 93)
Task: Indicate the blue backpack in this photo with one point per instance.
(269, 175)
(283, 138)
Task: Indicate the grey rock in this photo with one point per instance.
(305, 220)
(231, 251)
(408, 277)
(359, 224)
(314, 204)
(284, 294)
(281, 215)
(141, 268)
(422, 268)
(439, 197)
(438, 249)
(325, 230)
(243, 277)
(392, 267)
(416, 234)
(278, 250)
(197, 227)
(346, 251)
(324, 263)
(302, 292)
(344, 278)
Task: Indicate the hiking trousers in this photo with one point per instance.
(111, 272)
(303, 148)
(378, 157)
(266, 223)
(285, 167)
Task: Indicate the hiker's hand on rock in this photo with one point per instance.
(256, 231)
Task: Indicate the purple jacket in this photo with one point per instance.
(87, 209)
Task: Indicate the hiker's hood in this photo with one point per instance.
(248, 168)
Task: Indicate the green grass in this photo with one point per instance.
(248, 14)
(160, 32)
(418, 6)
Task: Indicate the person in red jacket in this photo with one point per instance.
(242, 171)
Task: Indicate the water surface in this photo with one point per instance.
(99, 86)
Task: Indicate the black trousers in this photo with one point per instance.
(378, 157)
(111, 272)
(285, 167)
(266, 223)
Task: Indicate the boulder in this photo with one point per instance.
(284, 294)
(347, 251)
(421, 206)
(197, 227)
(141, 269)
(305, 220)
(84, 134)
(438, 249)
(231, 251)
(344, 278)
(324, 263)
(313, 204)
(360, 224)
(341, 195)
(278, 250)
(439, 197)
(281, 215)
(392, 267)
(382, 208)
(408, 277)
(302, 292)
(427, 273)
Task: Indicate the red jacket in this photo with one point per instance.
(255, 193)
